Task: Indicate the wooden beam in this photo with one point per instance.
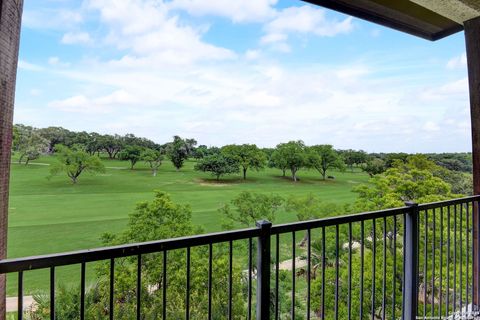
(10, 20)
(401, 15)
(472, 40)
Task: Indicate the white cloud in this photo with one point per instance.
(35, 92)
(458, 62)
(253, 54)
(149, 31)
(273, 37)
(76, 38)
(98, 105)
(304, 20)
(56, 61)
(170, 80)
(57, 19)
(431, 126)
(24, 65)
(450, 90)
(237, 11)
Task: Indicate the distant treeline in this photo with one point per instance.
(29, 143)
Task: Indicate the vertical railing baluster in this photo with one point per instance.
(323, 272)
(139, 286)
(474, 307)
(309, 270)
(111, 307)
(467, 256)
(20, 296)
(362, 264)
(418, 260)
(455, 258)
(249, 304)
(384, 268)
(277, 273)
(230, 279)
(394, 280)
(187, 293)
(263, 270)
(349, 302)
(82, 291)
(404, 246)
(52, 293)
(164, 286)
(292, 311)
(410, 262)
(374, 253)
(441, 265)
(433, 262)
(210, 258)
(425, 263)
(249, 313)
(476, 256)
(447, 298)
(336, 271)
(460, 207)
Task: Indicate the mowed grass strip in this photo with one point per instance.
(51, 215)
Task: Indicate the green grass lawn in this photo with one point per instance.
(52, 215)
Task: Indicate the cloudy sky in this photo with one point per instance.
(249, 71)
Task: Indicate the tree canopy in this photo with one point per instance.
(248, 156)
(323, 158)
(131, 153)
(218, 165)
(28, 143)
(413, 180)
(177, 152)
(249, 208)
(154, 159)
(291, 155)
(74, 162)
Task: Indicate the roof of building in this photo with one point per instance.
(428, 19)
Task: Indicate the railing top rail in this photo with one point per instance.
(77, 257)
(332, 221)
(358, 217)
(433, 205)
(98, 254)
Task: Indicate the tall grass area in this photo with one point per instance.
(53, 215)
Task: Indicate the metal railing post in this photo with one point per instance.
(411, 262)
(263, 270)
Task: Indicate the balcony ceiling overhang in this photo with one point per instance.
(428, 19)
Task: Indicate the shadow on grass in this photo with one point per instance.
(308, 181)
(224, 181)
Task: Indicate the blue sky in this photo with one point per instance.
(250, 71)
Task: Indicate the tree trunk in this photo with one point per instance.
(284, 172)
(294, 175)
(154, 172)
(10, 19)
(244, 173)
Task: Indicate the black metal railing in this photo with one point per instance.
(402, 263)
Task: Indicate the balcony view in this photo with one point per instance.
(259, 159)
